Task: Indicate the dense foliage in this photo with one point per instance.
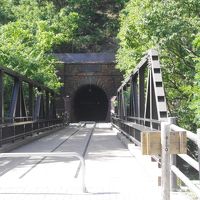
(31, 30)
(97, 24)
(173, 28)
(196, 89)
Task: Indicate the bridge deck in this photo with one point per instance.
(112, 172)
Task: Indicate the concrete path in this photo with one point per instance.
(112, 172)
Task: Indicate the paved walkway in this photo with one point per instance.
(112, 172)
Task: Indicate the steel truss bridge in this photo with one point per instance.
(139, 108)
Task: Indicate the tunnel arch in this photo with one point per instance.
(90, 103)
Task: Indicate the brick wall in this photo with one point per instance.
(74, 76)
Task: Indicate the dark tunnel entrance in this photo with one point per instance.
(90, 104)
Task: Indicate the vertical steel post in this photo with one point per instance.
(118, 104)
(14, 101)
(165, 144)
(147, 102)
(1, 135)
(132, 98)
(1, 104)
(141, 93)
(123, 104)
(37, 105)
(198, 137)
(151, 97)
(47, 104)
(30, 101)
(173, 178)
(53, 105)
(1, 98)
(42, 111)
(135, 96)
(23, 110)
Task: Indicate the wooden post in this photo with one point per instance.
(165, 179)
(198, 136)
(173, 178)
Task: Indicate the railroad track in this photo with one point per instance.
(80, 136)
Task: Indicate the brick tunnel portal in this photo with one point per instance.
(90, 104)
(90, 80)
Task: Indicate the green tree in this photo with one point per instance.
(171, 27)
(6, 14)
(26, 43)
(196, 88)
(31, 30)
(97, 26)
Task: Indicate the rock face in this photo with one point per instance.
(89, 82)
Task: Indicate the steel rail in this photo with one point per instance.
(86, 144)
(51, 154)
(53, 150)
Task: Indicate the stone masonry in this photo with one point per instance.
(77, 70)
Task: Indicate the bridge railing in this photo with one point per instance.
(140, 105)
(194, 184)
(25, 106)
